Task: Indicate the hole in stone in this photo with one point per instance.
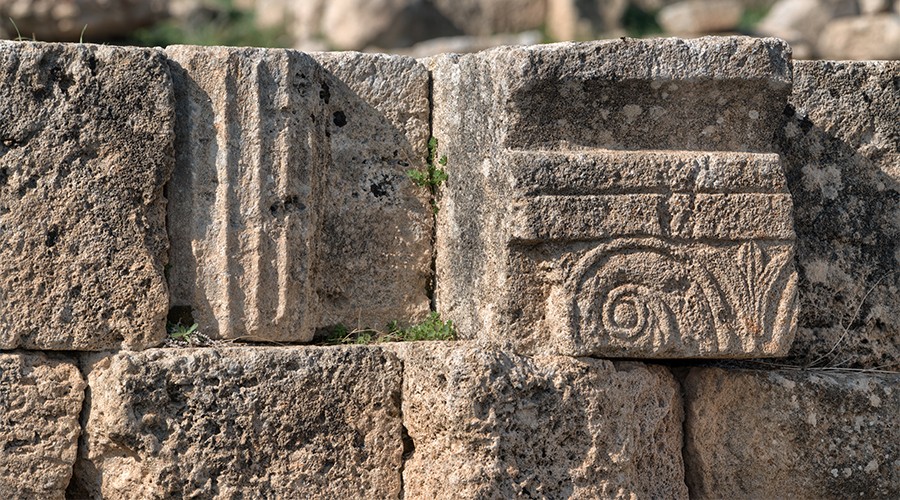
(52, 237)
(340, 119)
(183, 315)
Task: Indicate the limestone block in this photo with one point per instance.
(377, 225)
(860, 38)
(792, 434)
(488, 424)
(40, 401)
(693, 17)
(842, 160)
(247, 193)
(85, 149)
(617, 198)
(243, 422)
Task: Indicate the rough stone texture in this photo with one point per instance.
(583, 19)
(376, 235)
(56, 20)
(248, 190)
(865, 37)
(569, 226)
(486, 424)
(792, 434)
(40, 401)
(700, 16)
(243, 423)
(85, 149)
(841, 149)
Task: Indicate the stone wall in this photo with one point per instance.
(672, 266)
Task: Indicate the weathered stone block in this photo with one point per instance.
(243, 422)
(617, 198)
(40, 402)
(792, 434)
(841, 149)
(247, 192)
(377, 226)
(85, 149)
(487, 424)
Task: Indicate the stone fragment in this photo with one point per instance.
(792, 434)
(248, 190)
(85, 149)
(55, 20)
(696, 17)
(583, 19)
(40, 401)
(377, 225)
(488, 424)
(490, 17)
(860, 38)
(617, 198)
(243, 422)
(800, 22)
(841, 155)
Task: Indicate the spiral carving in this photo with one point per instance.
(643, 295)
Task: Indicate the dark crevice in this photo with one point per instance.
(78, 489)
(431, 285)
(409, 446)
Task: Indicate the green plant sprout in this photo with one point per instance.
(177, 331)
(432, 328)
(433, 176)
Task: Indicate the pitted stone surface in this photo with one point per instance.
(313, 422)
(376, 234)
(487, 424)
(40, 402)
(247, 193)
(792, 434)
(593, 211)
(841, 145)
(85, 149)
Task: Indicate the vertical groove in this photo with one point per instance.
(228, 136)
(255, 156)
(282, 187)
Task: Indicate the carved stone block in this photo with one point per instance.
(617, 198)
(246, 195)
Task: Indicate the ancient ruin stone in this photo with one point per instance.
(692, 17)
(875, 36)
(617, 198)
(377, 225)
(40, 401)
(487, 424)
(243, 422)
(85, 149)
(792, 434)
(247, 193)
(841, 148)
